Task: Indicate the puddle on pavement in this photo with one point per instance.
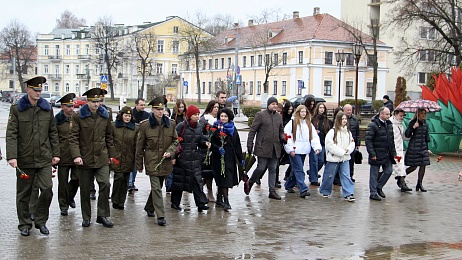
(414, 250)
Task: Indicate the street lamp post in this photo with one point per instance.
(340, 57)
(357, 51)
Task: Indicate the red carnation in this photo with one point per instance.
(397, 157)
(115, 161)
(180, 139)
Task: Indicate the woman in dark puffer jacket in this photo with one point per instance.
(417, 154)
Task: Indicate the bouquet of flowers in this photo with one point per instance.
(398, 158)
(180, 139)
(210, 131)
(22, 175)
(222, 138)
(438, 157)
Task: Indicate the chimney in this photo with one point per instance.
(316, 11)
(250, 22)
(296, 14)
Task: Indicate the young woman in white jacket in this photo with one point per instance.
(339, 146)
(301, 138)
(398, 135)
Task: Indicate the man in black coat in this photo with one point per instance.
(388, 103)
(381, 149)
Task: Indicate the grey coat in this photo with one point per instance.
(270, 133)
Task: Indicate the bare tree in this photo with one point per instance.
(144, 48)
(198, 41)
(269, 16)
(219, 23)
(105, 37)
(16, 43)
(438, 45)
(69, 21)
(158, 88)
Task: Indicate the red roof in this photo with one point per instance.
(323, 27)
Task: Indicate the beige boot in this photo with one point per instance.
(210, 196)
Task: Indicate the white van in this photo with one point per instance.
(46, 96)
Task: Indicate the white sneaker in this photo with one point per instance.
(350, 198)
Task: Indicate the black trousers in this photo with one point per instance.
(199, 196)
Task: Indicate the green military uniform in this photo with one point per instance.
(125, 135)
(67, 189)
(90, 138)
(156, 138)
(32, 139)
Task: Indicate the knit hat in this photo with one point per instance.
(271, 100)
(192, 110)
(386, 97)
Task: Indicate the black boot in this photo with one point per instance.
(420, 187)
(219, 200)
(226, 205)
(398, 182)
(403, 184)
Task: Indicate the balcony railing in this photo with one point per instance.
(54, 57)
(55, 76)
(375, 1)
(84, 57)
(81, 76)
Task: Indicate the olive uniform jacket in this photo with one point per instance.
(91, 137)
(125, 136)
(153, 141)
(31, 135)
(63, 125)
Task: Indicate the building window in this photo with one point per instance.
(174, 69)
(67, 68)
(77, 69)
(422, 77)
(370, 60)
(276, 59)
(45, 87)
(300, 57)
(46, 50)
(210, 87)
(87, 50)
(369, 89)
(244, 61)
(159, 67)
(204, 64)
(67, 88)
(96, 50)
(260, 60)
(349, 89)
(427, 33)
(56, 87)
(45, 69)
(327, 88)
(160, 46)
(175, 46)
(210, 64)
(11, 85)
(258, 87)
(349, 59)
(175, 29)
(203, 87)
(275, 87)
(267, 60)
(284, 58)
(222, 63)
(250, 87)
(57, 70)
(57, 51)
(77, 49)
(284, 88)
(68, 49)
(216, 64)
(186, 65)
(229, 62)
(252, 61)
(328, 57)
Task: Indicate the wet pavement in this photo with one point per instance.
(410, 225)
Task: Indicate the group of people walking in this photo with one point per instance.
(188, 150)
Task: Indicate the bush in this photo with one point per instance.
(250, 121)
(352, 102)
(250, 111)
(377, 104)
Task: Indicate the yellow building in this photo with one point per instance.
(298, 52)
(72, 62)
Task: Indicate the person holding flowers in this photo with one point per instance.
(32, 146)
(398, 134)
(156, 143)
(417, 154)
(226, 154)
(303, 138)
(187, 174)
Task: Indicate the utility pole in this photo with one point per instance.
(236, 61)
(14, 79)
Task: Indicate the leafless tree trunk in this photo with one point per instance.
(144, 47)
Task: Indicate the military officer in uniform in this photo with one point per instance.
(156, 144)
(66, 188)
(32, 146)
(91, 145)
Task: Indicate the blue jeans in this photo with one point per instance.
(316, 163)
(131, 179)
(168, 184)
(297, 176)
(375, 184)
(348, 187)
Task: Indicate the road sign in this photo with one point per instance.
(238, 79)
(238, 70)
(103, 78)
(185, 83)
(103, 86)
(301, 84)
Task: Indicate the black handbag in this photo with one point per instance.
(358, 157)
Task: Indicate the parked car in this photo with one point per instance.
(53, 100)
(296, 101)
(46, 96)
(80, 101)
(367, 106)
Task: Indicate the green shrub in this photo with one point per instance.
(377, 104)
(250, 111)
(352, 102)
(250, 121)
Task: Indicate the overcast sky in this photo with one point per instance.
(40, 15)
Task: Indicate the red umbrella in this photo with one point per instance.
(413, 105)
